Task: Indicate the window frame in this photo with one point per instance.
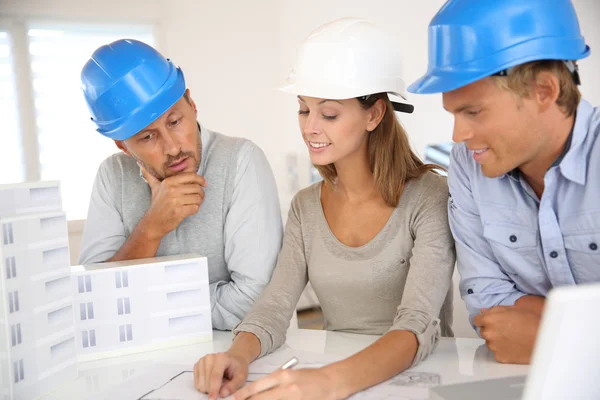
(17, 29)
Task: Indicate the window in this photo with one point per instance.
(7, 232)
(18, 371)
(125, 333)
(11, 268)
(86, 310)
(123, 306)
(127, 373)
(89, 338)
(92, 384)
(13, 301)
(48, 58)
(11, 162)
(84, 283)
(57, 55)
(15, 334)
(121, 279)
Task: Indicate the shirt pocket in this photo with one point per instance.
(583, 253)
(517, 251)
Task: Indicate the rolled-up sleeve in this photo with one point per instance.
(483, 284)
(253, 235)
(431, 266)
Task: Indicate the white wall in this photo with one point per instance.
(589, 15)
(235, 53)
(228, 51)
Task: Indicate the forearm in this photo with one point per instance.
(245, 345)
(531, 303)
(142, 243)
(388, 356)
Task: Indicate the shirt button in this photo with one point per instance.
(513, 238)
(593, 246)
(470, 291)
(554, 254)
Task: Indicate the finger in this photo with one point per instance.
(206, 370)
(485, 334)
(204, 366)
(191, 199)
(188, 178)
(151, 179)
(234, 384)
(478, 320)
(216, 377)
(266, 383)
(190, 209)
(197, 376)
(276, 393)
(190, 188)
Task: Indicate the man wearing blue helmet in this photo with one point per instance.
(176, 187)
(525, 175)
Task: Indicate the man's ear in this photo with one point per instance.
(189, 99)
(121, 145)
(546, 89)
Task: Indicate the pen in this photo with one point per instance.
(293, 361)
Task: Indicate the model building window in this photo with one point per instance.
(15, 334)
(121, 279)
(84, 283)
(92, 384)
(11, 268)
(7, 229)
(89, 338)
(18, 371)
(123, 306)
(86, 311)
(125, 333)
(13, 301)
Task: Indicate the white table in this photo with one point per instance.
(456, 360)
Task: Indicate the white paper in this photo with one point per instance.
(409, 385)
(180, 387)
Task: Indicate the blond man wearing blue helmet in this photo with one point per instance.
(525, 173)
(176, 187)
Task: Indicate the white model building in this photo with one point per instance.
(140, 305)
(53, 315)
(29, 198)
(37, 335)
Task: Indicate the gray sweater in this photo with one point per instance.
(238, 227)
(400, 280)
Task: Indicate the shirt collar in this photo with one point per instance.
(569, 161)
(574, 164)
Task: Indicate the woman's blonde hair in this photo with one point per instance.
(392, 161)
(521, 77)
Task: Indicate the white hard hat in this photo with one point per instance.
(348, 58)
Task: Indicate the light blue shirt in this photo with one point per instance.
(509, 243)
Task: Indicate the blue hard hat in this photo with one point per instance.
(472, 39)
(128, 85)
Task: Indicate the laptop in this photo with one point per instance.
(566, 357)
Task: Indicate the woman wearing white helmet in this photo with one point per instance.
(373, 237)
